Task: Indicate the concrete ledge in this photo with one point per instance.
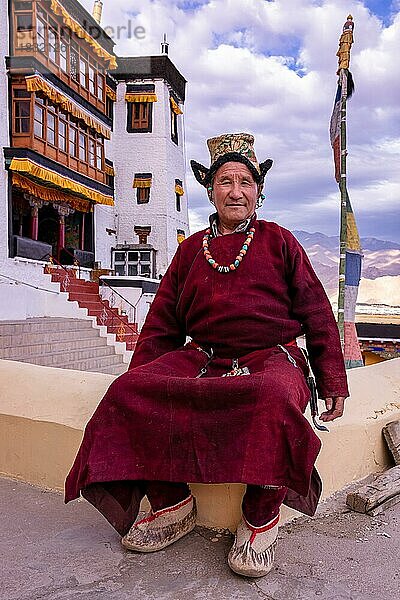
(43, 412)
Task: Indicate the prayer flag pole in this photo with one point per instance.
(350, 246)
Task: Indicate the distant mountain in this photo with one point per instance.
(332, 241)
(381, 257)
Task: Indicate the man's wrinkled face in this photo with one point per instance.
(234, 193)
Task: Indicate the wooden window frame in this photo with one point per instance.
(73, 143)
(142, 195)
(174, 127)
(64, 43)
(100, 86)
(53, 114)
(92, 150)
(52, 28)
(84, 138)
(60, 137)
(42, 140)
(41, 108)
(26, 35)
(99, 154)
(24, 118)
(62, 47)
(83, 61)
(139, 125)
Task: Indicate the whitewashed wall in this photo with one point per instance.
(149, 153)
(104, 218)
(4, 131)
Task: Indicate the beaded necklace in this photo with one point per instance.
(234, 265)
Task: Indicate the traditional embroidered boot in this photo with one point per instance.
(253, 551)
(161, 528)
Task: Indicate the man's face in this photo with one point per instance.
(234, 193)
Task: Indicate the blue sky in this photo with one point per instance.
(269, 67)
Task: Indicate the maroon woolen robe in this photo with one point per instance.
(159, 421)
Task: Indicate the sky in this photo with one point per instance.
(269, 67)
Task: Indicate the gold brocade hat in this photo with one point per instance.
(229, 147)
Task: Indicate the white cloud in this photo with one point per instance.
(269, 68)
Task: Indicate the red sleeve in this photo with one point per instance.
(161, 331)
(312, 308)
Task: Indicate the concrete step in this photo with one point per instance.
(83, 296)
(59, 359)
(57, 345)
(80, 285)
(49, 337)
(93, 364)
(112, 370)
(43, 324)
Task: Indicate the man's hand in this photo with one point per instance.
(334, 408)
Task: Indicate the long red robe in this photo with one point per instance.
(159, 421)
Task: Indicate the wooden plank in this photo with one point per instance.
(392, 436)
(384, 487)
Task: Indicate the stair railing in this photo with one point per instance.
(76, 261)
(53, 260)
(107, 312)
(114, 291)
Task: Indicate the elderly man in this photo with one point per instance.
(228, 405)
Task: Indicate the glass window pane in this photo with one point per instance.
(24, 22)
(100, 86)
(99, 156)
(82, 72)
(92, 152)
(21, 93)
(119, 269)
(41, 35)
(73, 64)
(22, 108)
(51, 128)
(52, 45)
(132, 270)
(38, 125)
(63, 53)
(119, 256)
(23, 5)
(62, 135)
(72, 141)
(82, 146)
(145, 269)
(133, 256)
(91, 80)
(145, 256)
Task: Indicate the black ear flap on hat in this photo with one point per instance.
(265, 167)
(200, 172)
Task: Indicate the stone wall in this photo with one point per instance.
(44, 411)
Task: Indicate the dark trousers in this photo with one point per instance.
(259, 505)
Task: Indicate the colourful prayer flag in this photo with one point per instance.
(352, 351)
(350, 246)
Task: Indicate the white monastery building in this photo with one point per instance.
(92, 171)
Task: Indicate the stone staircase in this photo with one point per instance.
(59, 342)
(86, 294)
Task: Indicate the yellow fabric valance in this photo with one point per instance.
(179, 189)
(180, 237)
(81, 33)
(175, 107)
(24, 165)
(141, 182)
(109, 170)
(131, 97)
(35, 83)
(111, 94)
(50, 194)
